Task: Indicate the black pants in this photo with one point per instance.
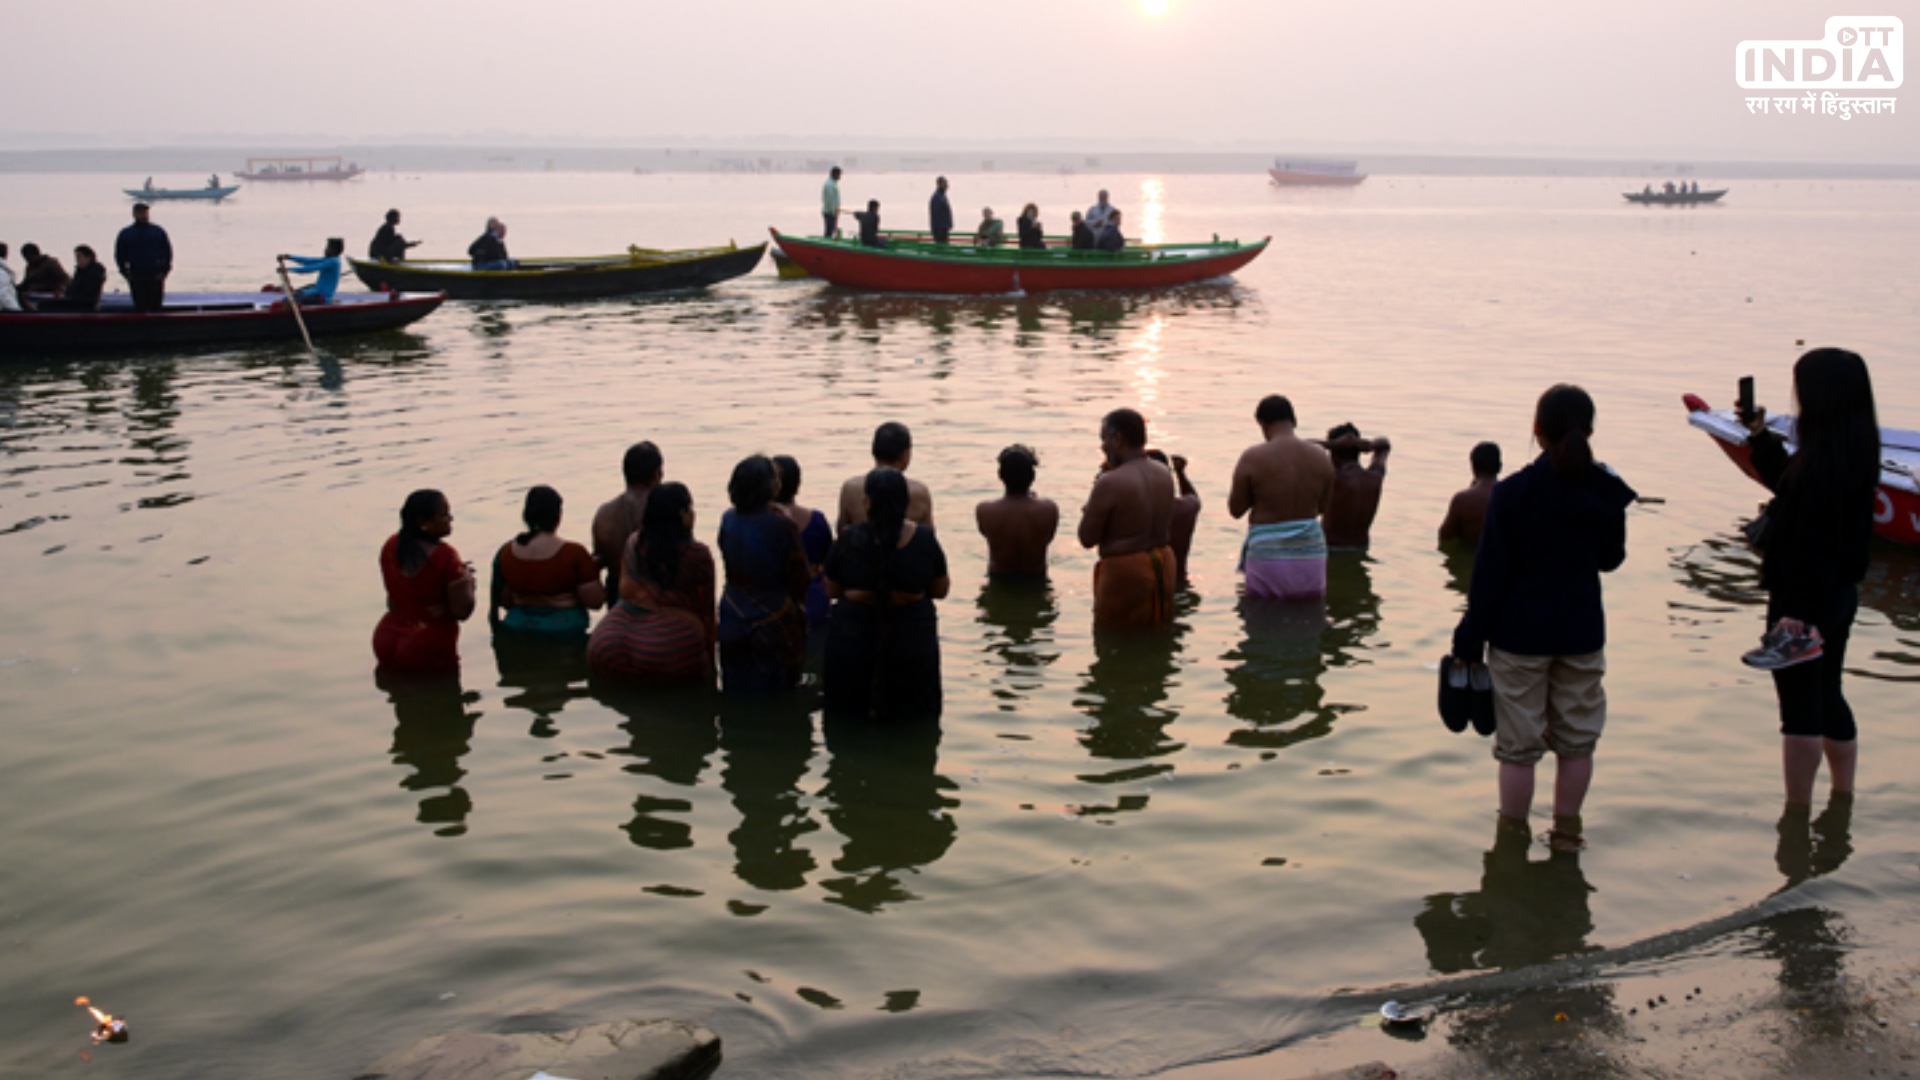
(1810, 700)
(148, 293)
(940, 235)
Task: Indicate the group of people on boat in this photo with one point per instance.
(1096, 230)
(142, 251)
(1531, 641)
(1672, 189)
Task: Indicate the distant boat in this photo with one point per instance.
(1673, 198)
(638, 271)
(208, 194)
(912, 264)
(190, 320)
(299, 168)
(1288, 173)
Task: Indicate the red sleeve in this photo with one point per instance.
(585, 570)
(446, 562)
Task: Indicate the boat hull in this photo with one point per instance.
(180, 194)
(299, 177)
(968, 271)
(555, 279)
(1896, 507)
(1661, 198)
(1292, 178)
(196, 319)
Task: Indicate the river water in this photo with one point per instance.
(1110, 859)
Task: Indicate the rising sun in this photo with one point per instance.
(1154, 8)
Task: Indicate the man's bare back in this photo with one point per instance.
(617, 519)
(1285, 478)
(1131, 508)
(1018, 529)
(853, 502)
(1356, 493)
(1467, 513)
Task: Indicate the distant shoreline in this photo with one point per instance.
(169, 161)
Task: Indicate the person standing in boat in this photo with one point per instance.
(939, 212)
(992, 231)
(1099, 212)
(327, 268)
(145, 257)
(489, 252)
(1032, 236)
(830, 201)
(213, 182)
(388, 245)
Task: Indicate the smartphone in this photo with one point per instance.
(1744, 409)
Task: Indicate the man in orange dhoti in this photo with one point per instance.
(1129, 517)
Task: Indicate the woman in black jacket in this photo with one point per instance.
(1814, 552)
(1534, 610)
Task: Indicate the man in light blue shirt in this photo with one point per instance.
(830, 201)
(327, 267)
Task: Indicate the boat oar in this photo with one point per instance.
(293, 303)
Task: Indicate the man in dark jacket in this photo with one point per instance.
(939, 212)
(1082, 235)
(490, 251)
(44, 274)
(388, 245)
(145, 257)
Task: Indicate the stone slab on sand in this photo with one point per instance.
(622, 1050)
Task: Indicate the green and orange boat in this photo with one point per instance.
(911, 262)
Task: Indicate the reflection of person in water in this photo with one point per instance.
(1018, 616)
(1125, 692)
(765, 744)
(432, 732)
(1525, 913)
(671, 735)
(887, 798)
(1811, 943)
(1278, 670)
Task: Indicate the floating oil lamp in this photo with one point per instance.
(107, 1027)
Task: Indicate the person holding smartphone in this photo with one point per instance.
(1814, 553)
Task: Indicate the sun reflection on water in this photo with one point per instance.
(1152, 209)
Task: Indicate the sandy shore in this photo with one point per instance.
(1820, 981)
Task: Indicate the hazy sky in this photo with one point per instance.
(1626, 77)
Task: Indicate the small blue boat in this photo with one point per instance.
(206, 194)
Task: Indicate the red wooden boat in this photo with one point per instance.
(960, 269)
(1896, 509)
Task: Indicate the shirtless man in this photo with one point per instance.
(1129, 517)
(619, 518)
(1285, 484)
(1467, 513)
(1356, 491)
(892, 449)
(1019, 525)
(1186, 508)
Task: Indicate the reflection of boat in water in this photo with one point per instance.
(205, 194)
(1673, 198)
(192, 319)
(911, 265)
(640, 270)
(1896, 510)
(1290, 173)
